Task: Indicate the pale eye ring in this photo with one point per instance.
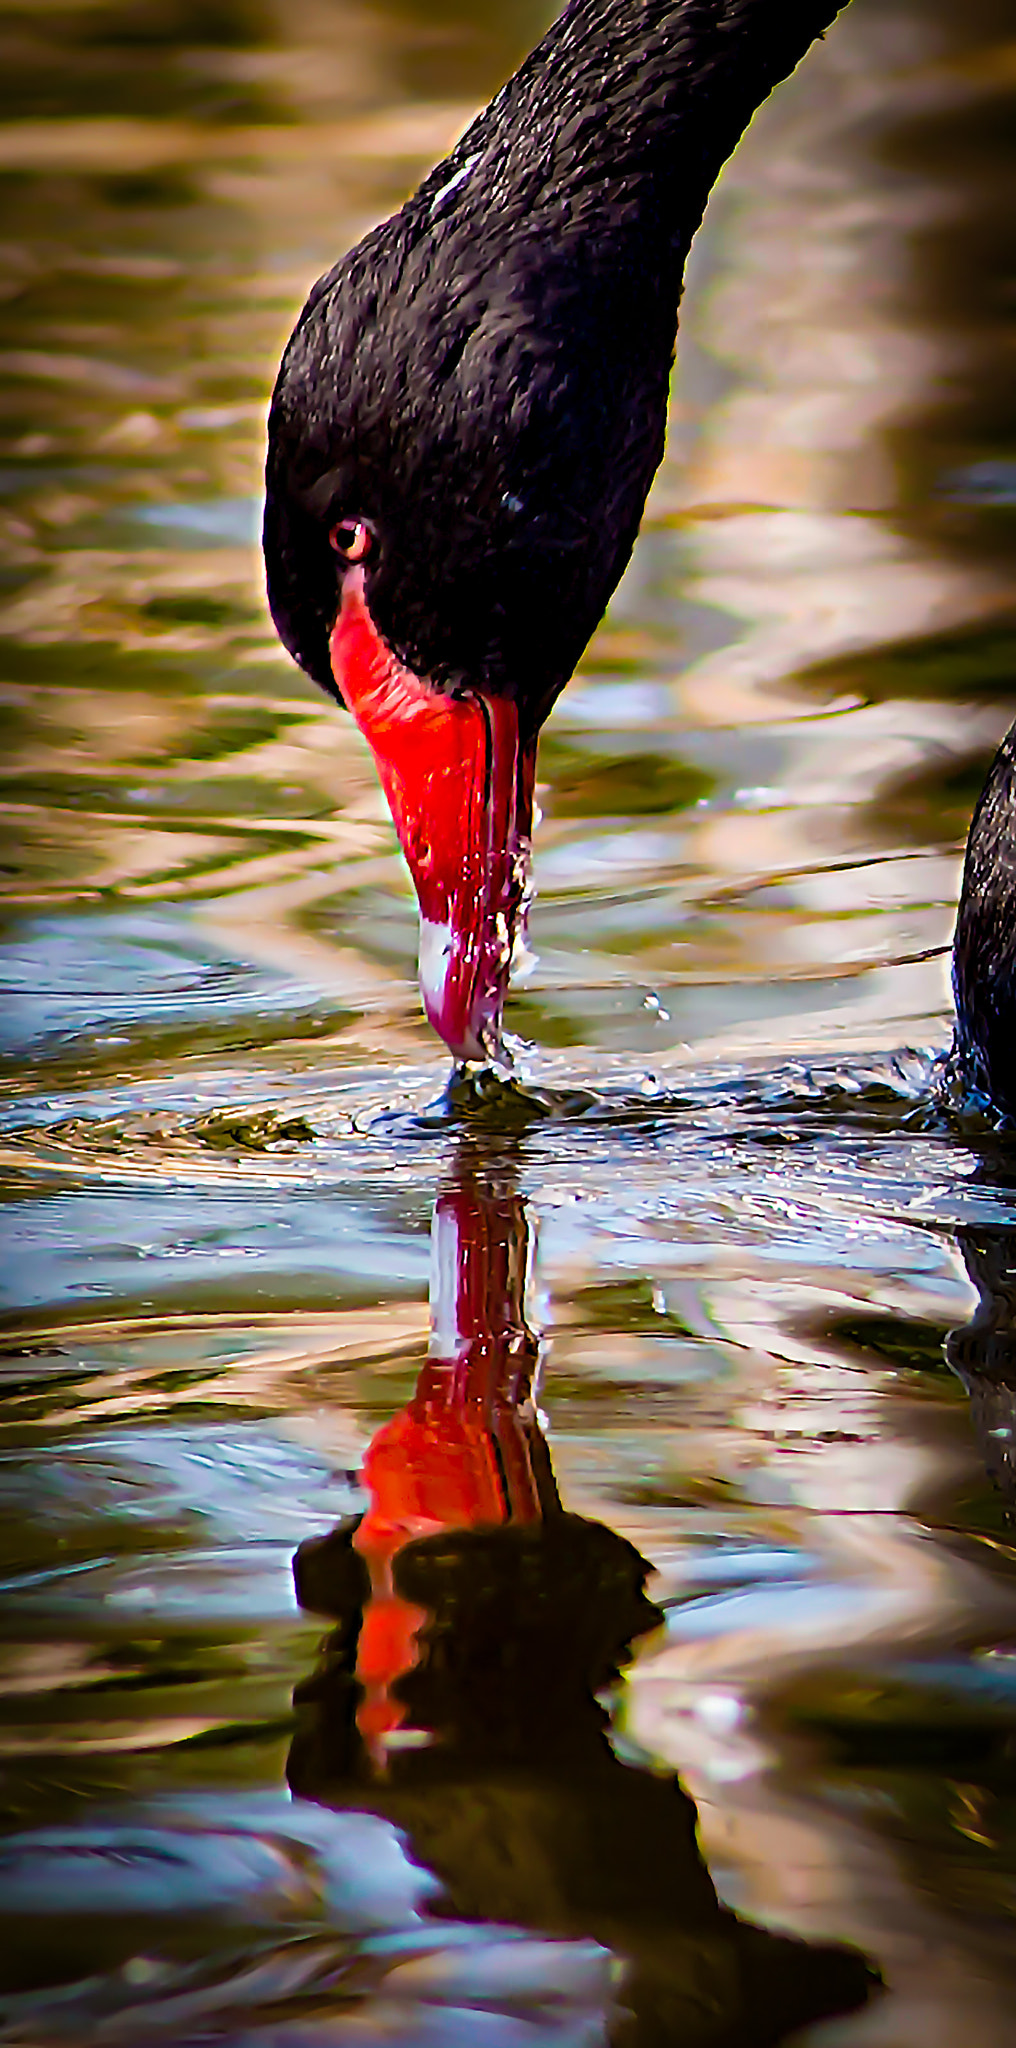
(353, 539)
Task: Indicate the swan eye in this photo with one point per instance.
(353, 539)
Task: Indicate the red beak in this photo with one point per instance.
(459, 785)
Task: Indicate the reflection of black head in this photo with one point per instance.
(983, 1351)
(526, 1624)
(519, 1804)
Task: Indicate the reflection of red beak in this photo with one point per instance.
(464, 1454)
(459, 784)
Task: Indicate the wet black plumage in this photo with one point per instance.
(485, 377)
(984, 950)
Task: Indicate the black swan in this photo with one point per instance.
(466, 424)
(984, 950)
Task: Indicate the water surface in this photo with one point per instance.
(707, 1323)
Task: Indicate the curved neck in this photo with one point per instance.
(629, 89)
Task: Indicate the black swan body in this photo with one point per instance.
(466, 424)
(984, 950)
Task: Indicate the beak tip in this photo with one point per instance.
(463, 1009)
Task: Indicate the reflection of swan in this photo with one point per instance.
(475, 1624)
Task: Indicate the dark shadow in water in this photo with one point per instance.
(476, 1624)
(982, 1352)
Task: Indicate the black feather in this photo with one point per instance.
(984, 950)
(486, 375)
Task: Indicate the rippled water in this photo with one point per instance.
(317, 1598)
